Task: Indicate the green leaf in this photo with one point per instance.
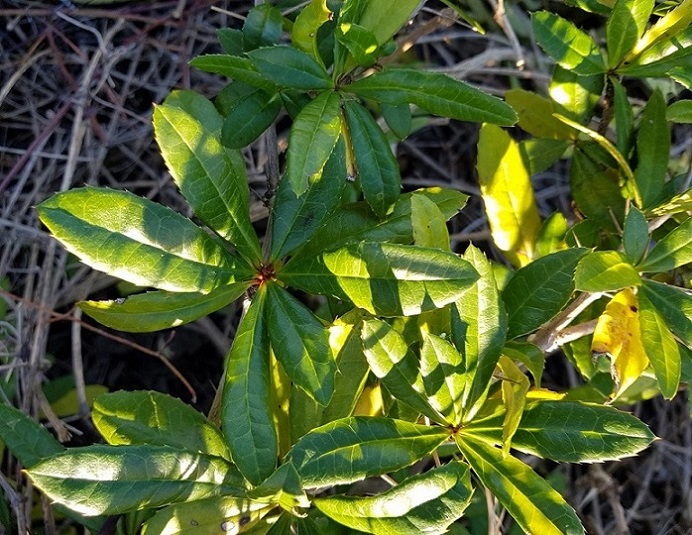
(312, 140)
(529, 355)
(360, 42)
(398, 118)
(624, 118)
(356, 222)
(653, 150)
(570, 432)
(676, 20)
(604, 271)
(674, 304)
(262, 27)
(137, 240)
(680, 112)
(211, 179)
(673, 251)
(428, 223)
(595, 189)
(352, 449)
(515, 386)
(231, 41)
(507, 193)
(392, 360)
(479, 326)
(672, 58)
(538, 291)
(426, 503)
(534, 504)
(660, 346)
(635, 235)
(551, 235)
(155, 311)
(237, 68)
(301, 344)
(248, 112)
(155, 419)
(442, 369)
(201, 517)
(111, 480)
(384, 279)
(569, 46)
(306, 26)
(295, 219)
(540, 154)
(376, 166)
(384, 18)
(625, 26)
(28, 440)
(291, 68)
(435, 93)
(576, 95)
(283, 488)
(536, 115)
(246, 414)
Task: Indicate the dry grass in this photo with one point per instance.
(76, 93)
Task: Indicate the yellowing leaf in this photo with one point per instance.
(515, 386)
(506, 190)
(618, 334)
(370, 402)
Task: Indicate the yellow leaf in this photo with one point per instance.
(507, 194)
(370, 402)
(515, 386)
(618, 334)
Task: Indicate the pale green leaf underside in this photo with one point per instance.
(137, 240)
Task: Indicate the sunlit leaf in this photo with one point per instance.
(674, 250)
(674, 304)
(515, 385)
(603, 271)
(536, 115)
(306, 26)
(625, 26)
(442, 371)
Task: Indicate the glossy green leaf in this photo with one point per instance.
(295, 219)
(672, 58)
(219, 515)
(155, 311)
(624, 118)
(231, 41)
(576, 95)
(356, 222)
(674, 21)
(384, 279)
(248, 112)
(28, 440)
(674, 250)
(673, 206)
(212, 179)
(262, 26)
(660, 346)
(444, 378)
(291, 68)
(306, 26)
(155, 419)
(529, 355)
(680, 112)
(507, 193)
(538, 291)
(534, 504)
(392, 360)
(137, 240)
(246, 415)
(570, 431)
(604, 271)
(515, 386)
(479, 326)
(536, 115)
(569, 46)
(301, 344)
(435, 93)
(398, 118)
(595, 189)
(426, 503)
(360, 42)
(428, 223)
(376, 166)
(653, 150)
(635, 235)
(235, 67)
(352, 449)
(674, 304)
(111, 480)
(625, 26)
(283, 488)
(314, 133)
